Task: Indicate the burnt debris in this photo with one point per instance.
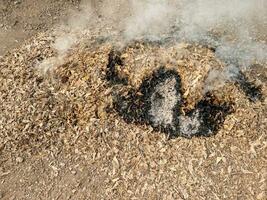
(207, 117)
(115, 61)
(158, 102)
(253, 92)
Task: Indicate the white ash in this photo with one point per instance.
(163, 101)
(190, 125)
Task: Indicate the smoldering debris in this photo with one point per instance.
(221, 27)
(158, 102)
(253, 92)
(211, 114)
(114, 61)
(217, 78)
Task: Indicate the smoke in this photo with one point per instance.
(217, 78)
(235, 28)
(67, 34)
(149, 19)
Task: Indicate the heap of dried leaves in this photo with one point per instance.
(69, 109)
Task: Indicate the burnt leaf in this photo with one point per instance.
(112, 75)
(252, 91)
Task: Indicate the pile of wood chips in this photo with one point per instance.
(69, 110)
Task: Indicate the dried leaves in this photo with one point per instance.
(68, 110)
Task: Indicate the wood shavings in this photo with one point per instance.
(67, 114)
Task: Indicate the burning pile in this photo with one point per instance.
(111, 107)
(145, 83)
(159, 101)
(109, 82)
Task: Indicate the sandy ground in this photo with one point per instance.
(20, 19)
(59, 141)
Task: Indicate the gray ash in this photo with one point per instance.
(157, 102)
(207, 117)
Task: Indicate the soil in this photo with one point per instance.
(61, 137)
(21, 19)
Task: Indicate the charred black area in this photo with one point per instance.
(212, 114)
(148, 88)
(112, 75)
(135, 106)
(253, 92)
(159, 100)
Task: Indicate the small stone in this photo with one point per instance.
(17, 2)
(74, 191)
(73, 172)
(19, 159)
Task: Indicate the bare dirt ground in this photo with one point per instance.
(20, 19)
(58, 141)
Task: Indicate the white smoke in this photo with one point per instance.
(68, 34)
(149, 19)
(236, 28)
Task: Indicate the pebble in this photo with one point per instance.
(17, 2)
(19, 159)
(73, 172)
